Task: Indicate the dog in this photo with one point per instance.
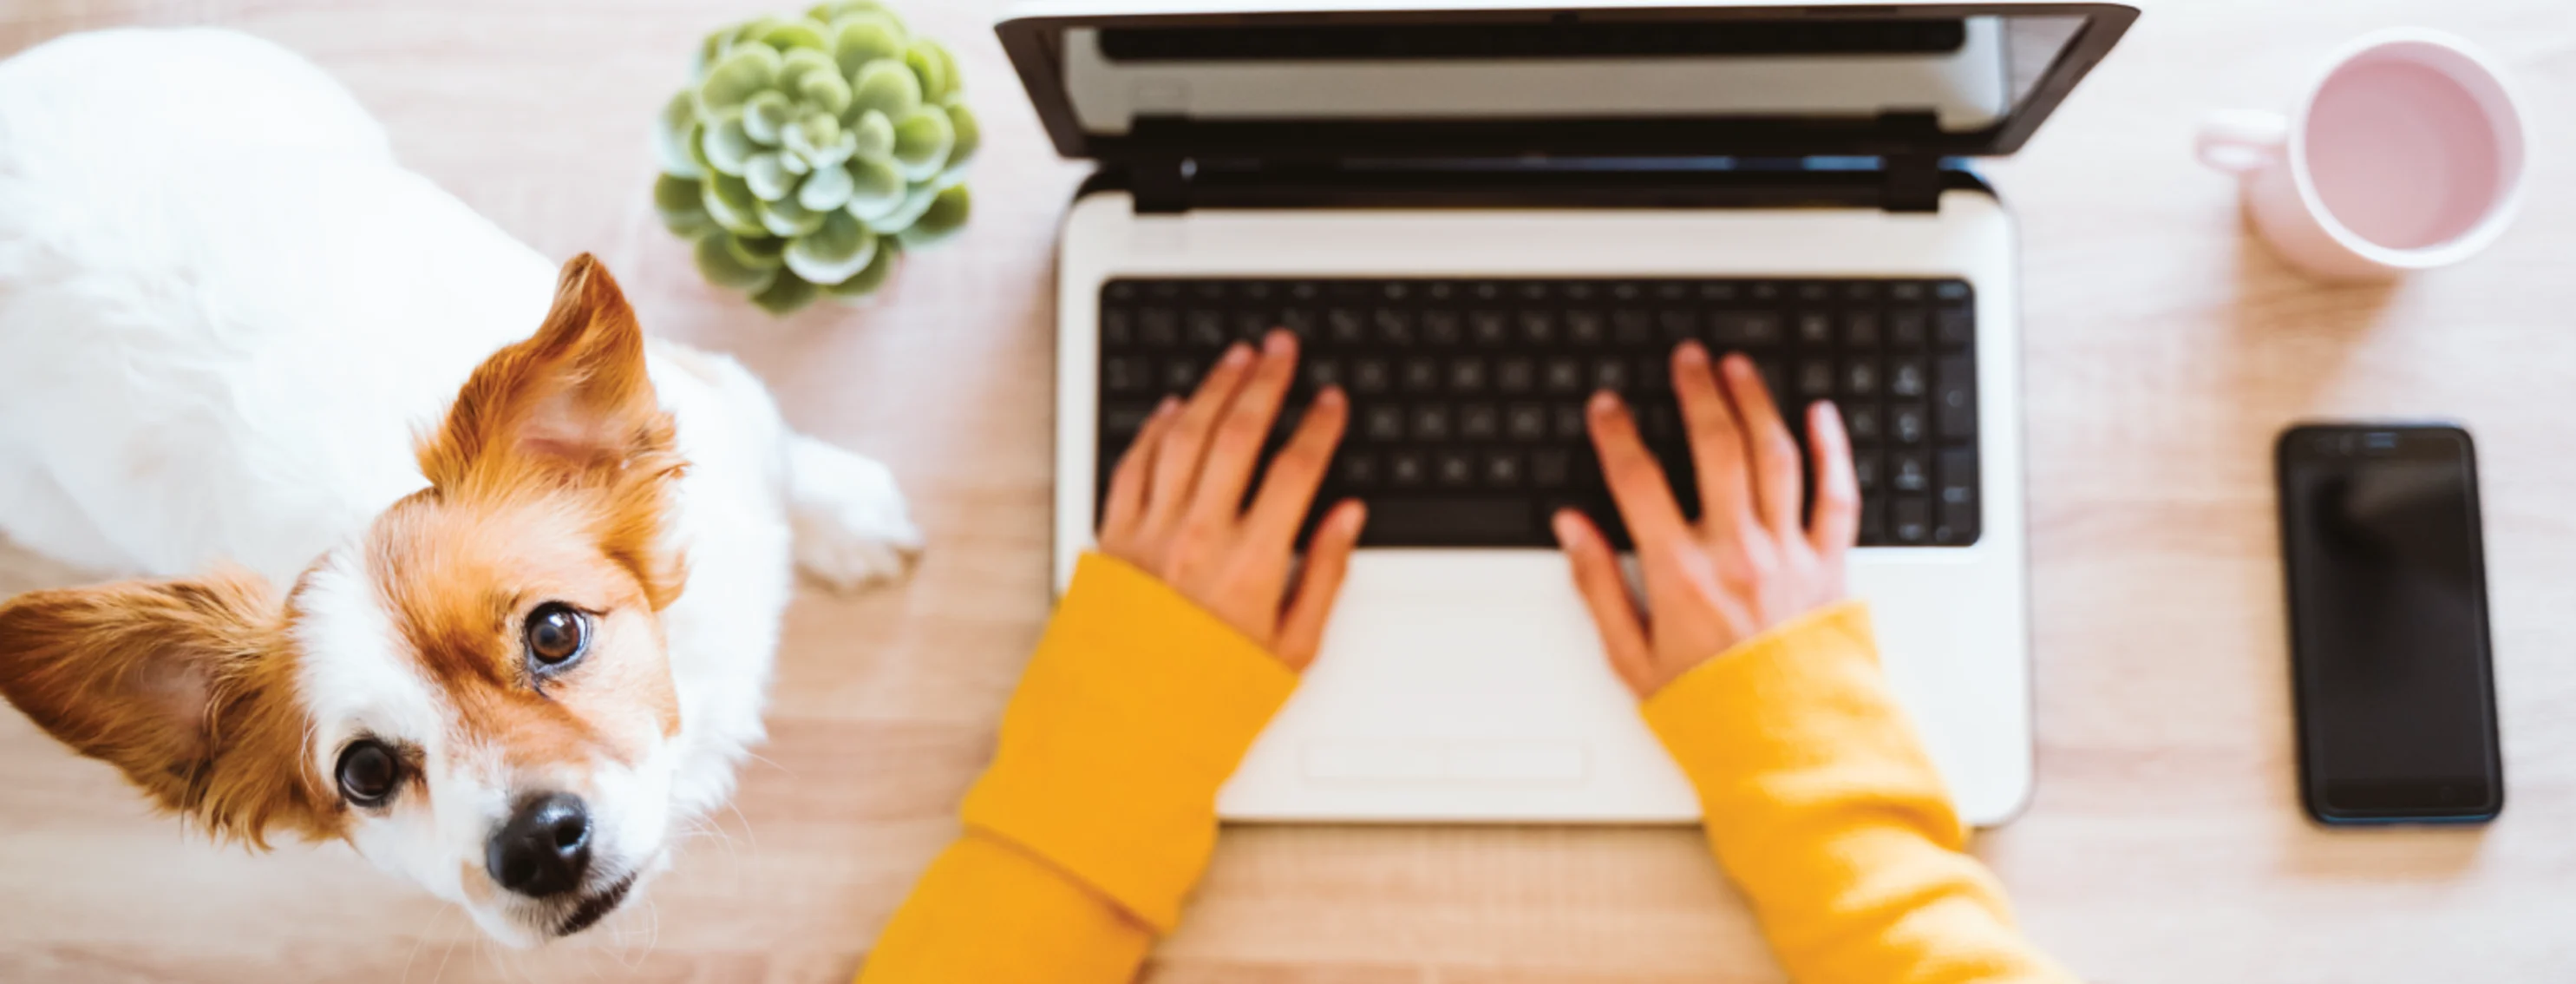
(435, 553)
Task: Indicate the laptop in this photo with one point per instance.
(1475, 213)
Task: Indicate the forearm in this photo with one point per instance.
(1099, 811)
(1822, 805)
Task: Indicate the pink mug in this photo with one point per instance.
(2405, 155)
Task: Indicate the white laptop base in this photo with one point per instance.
(1468, 685)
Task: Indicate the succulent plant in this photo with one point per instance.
(807, 153)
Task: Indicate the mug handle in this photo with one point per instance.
(2240, 141)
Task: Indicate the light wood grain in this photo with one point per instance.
(2164, 347)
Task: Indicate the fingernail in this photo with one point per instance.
(1169, 404)
(1278, 343)
(1737, 364)
(1330, 397)
(1604, 403)
(1568, 531)
(1353, 516)
(1692, 354)
(1237, 354)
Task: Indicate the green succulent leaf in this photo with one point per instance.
(970, 136)
(915, 203)
(866, 37)
(786, 294)
(722, 266)
(681, 202)
(796, 34)
(886, 87)
(948, 212)
(763, 251)
(786, 218)
(876, 188)
(827, 91)
(922, 141)
(726, 146)
(867, 280)
(764, 115)
(812, 134)
(828, 190)
(834, 253)
(956, 79)
(932, 71)
(801, 64)
(745, 71)
(795, 164)
(768, 177)
(836, 9)
(671, 138)
(875, 133)
(730, 202)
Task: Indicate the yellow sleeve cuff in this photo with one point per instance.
(1136, 708)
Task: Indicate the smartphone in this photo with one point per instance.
(2390, 667)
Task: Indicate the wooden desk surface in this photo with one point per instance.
(2165, 349)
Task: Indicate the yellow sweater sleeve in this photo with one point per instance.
(1099, 811)
(1821, 804)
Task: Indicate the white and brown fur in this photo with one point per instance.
(349, 434)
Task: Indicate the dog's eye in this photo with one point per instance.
(368, 771)
(557, 634)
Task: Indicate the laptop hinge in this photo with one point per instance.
(1161, 184)
(1913, 180)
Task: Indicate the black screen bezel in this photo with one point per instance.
(2428, 802)
(1031, 41)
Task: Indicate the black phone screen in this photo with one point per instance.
(2388, 624)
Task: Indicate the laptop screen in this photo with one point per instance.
(1945, 73)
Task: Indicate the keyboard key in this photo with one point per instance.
(1442, 329)
(1117, 328)
(1860, 329)
(1956, 496)
(1905, 378)
(1677, 325)
(1467, 376)
(1126, 375)
(1552, 468)
(1911, 519)
(1586, 329)
(1867, 467)
(1953, 327)
(1371, 376)
(1516, 376)
(1525, 422)
(1860, 377)
(1815, 328)
(1345, 327)
(1394, 327)
(1816, 379)
(1431, 422)
(1159, 328)
(1181, 375)
(1383, 423)
(1610, 374)
(1909, 328)
(1861, 421)
(1504, 469)
(1408, 469)
(1205, 328)
(1357, 471)
(1480, 422)
(1489, 329)
(1323, 372)
(1569, 425)
(1905, 421)
(1955, 393)
(1538, 328)
(1909, 472)
(1463, 521)
(1421, 376)
(1453, 468)
(1123, 420)
(1631, 328)
(1744, 329)
(1564, 375)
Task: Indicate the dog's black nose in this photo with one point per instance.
(544, 848)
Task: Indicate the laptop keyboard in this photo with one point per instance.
(1467, 425)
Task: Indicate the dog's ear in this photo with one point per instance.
(186, 686)
(573, 403)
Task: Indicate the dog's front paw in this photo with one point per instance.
(850, 524)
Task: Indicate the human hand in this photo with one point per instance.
(1749, 563)
(1176, 502)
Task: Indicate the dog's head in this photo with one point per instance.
(474, 694)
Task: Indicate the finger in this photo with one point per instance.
(1128, 484)
(1605, 593)
(1716, 441)
(1636, 481)
(1776, 483)
(1177, 462)
(1289, 490)
(1837, 522)
(1328, 560)
(1235, 448)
